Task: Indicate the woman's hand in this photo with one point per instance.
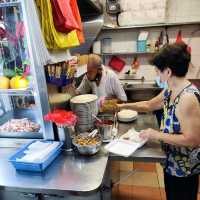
(150, 134)
(120, 106)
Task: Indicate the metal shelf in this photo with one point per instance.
(9, 4)
(151, 25)
(128, 53)
(17, 92)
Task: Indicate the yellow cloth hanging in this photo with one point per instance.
(53, 38)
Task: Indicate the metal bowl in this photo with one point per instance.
(87, 149)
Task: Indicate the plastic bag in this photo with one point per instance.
(76, 13)
(53, 38)
(63, 16)
(62, 117)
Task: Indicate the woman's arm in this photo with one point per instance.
(145, 106)
(188, 113)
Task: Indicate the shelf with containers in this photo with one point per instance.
(23, 90)
(124, 39)
(150, 25)
(128, 53)
(116, 43)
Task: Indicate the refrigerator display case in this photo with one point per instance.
(23, 91)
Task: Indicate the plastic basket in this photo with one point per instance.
(37, 167)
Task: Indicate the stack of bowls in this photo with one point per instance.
(84, 106)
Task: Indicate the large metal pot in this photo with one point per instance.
(84, 106)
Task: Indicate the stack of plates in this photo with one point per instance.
(127, 115)
(84, 106)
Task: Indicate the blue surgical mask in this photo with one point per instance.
(163, 85)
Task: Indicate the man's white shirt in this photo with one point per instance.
(109, 86)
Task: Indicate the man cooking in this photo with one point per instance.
(101, 81)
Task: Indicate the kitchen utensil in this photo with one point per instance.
(115, 126)
(65, 137)
(93, 133)
(98, 119)
(105, 129)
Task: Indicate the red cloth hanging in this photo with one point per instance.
(76, 13)
(63, 16)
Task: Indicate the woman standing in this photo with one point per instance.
(180, 128)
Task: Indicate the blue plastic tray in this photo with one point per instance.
(37, 167)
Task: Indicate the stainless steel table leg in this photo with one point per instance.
(106, 188)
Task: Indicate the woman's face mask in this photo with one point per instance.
(161, 84)
(162, 78)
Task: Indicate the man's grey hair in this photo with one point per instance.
(94, 61)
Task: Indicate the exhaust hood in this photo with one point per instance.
(92, 18)
(89, 8)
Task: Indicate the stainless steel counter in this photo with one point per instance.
(71, 172)
(67, 173)
(151, 151)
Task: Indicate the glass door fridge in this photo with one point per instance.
(23, 91)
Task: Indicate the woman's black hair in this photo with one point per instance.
(174, 56)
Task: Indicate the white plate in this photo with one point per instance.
(124, 117)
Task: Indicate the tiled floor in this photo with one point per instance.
(126, 192)
(144, 183)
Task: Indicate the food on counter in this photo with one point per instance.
(4, 82)
(109, 105)
(87, 145)
(133, 136)
(20, 125)
(86, 140)
(18, 82)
